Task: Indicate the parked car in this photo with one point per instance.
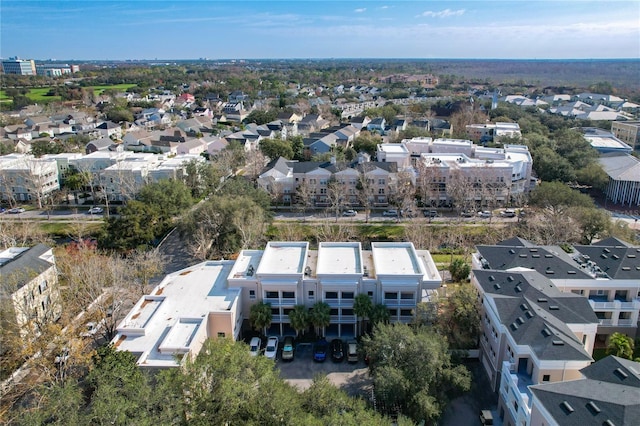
(508, 213)
(485, 214)
(430, 213)
(287, 349)
(16, 210)
(320, 349)
(271, 351)
(466, 213)
(408, 213)
(254, 346)
(337, 350)
(486, 418)
(95, 210)
(390, 213)
(352, 351)
(349, 213)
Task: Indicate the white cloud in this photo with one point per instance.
(363, 9)
(443, 13)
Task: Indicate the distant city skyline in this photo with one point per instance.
(116, 30)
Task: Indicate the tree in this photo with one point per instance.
(299, 318)
(593, 175)
(459, 317)
(620, 345)
(320, 317)
(260, 316)
(592, 221)
(557, 198)
(362, 307)
(77, 180)
(143, 266)
(137, 225)
(379, 314)
(459, 270)
(275, 148)
(367, 142)
(169, 197)
(412, 371)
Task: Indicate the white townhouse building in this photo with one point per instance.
(213, 298)
(26, 178)
(286, 274)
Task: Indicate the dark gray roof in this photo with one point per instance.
(280, 164)
(551, 261)
(615, 258)
(614, 370)
(25, 265)
(536, 313)
(515, 241)
(592, 401)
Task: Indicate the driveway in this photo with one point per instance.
(352, 378)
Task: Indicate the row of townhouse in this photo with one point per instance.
(24, 178)
(322, 183)
(213, 298)
(543, 311)
(459, 172)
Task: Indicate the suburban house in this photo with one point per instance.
(377, 125)
(606, 274)
(607, 393)
(30, 296)
(624, 178)
(109, 129)
(531, 333)
(102, 144)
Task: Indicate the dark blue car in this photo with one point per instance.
(320, 349)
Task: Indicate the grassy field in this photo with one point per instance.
(39, 94)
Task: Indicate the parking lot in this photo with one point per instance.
(352, 378)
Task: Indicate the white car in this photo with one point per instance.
(16, 210)
(390, 213)
(95, 210)
(485, 213)
(272, 348)
(254, 346)
(349, 213)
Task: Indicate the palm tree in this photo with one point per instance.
(620, 345)
(320, 316)
(260, 316)
(362, 307)
(299, 318)
(379, 313)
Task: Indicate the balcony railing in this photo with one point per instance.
(606, 321)
(615, 305)
(399, 302)
(627, 322)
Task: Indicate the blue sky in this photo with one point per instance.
(144, 29)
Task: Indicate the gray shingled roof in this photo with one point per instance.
(25, 265)
(594, 401)
(618, 261)
(536, 313)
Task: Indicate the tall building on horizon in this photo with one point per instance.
(19, 66)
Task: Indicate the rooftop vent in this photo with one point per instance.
(571, 272)
(520, 320)
(492, 278)
(535, 256)
(542, 299)
(524, 307)
(529, 314)
(626, 268)
(554, 307)
(496, 286)
(533, 250)
(523, 255)
(548, 256)
(615, 256)
(593, 407)
(557, 343)
(608, 423)
(604, 256)
(549, 271)
(546, 332)
(514, 326)
(621, 373)
(512, 251)
(606, 250)
(566, 407)
(510, 278)
(632, 256)
(518, 288)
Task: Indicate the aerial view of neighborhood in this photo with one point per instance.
(320, 213)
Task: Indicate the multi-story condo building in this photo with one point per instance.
(628, 132)
(26, 178)
(214, 298)
(607, 393)
(29, 293)
(623, 170)
(531, 333)
(606, 273)
(319, 183)
(19, 66)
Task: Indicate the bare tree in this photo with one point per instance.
(336, 196)
(337, 232)
(421, 235)
(256, 161)
(304, 197)
(460, 190)
(251, 225)
(142, 267)
(403, 192)
(366, 197)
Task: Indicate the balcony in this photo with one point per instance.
(399, 302)
(515, 388)
(616, 305)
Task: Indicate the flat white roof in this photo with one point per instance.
(162, 324)
(394, 148)
(339, 258)
(246, 264)
(283, 258)
(396, 259)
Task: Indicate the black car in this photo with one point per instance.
(337, 350)
(320, 349)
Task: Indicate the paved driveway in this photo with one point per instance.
(352, 378)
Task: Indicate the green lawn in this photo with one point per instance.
(39, 94)
(120, 87)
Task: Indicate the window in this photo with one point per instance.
(406, 312)
(311, 295)
(347, 311)
(43, 286)
(381, 191)
(334, 311)
(406, 296)
(275, 311)
(381, 181)
(347, 295)
(288, 295)
(286, 311)
(331, 295)
(312, 181)
(391, 295)
(252, 294)
(271, 294)
(221, 334)
(546, 378)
